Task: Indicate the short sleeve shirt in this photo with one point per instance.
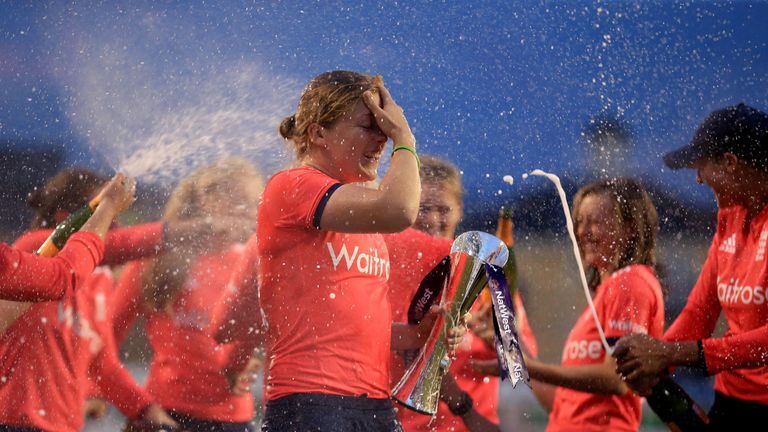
(630, 301)
(324, 294)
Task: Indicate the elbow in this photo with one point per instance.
(399, 220)
(407, 214)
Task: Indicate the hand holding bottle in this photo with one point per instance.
(120, 192)
(640, 357)
(116, 196)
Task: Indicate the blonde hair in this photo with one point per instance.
(167, 273)
(325, 99)
(443, 173)
(185, 201)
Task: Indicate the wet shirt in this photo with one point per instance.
(185, 374)
(629, 301)
(49, 352)
(28, 277)
(324, 294)
(733, 280)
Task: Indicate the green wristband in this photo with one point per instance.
(410, 149)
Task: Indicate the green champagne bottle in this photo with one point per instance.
(69, 226)
(505, 232)
(675, 408)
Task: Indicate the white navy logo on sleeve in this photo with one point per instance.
(760, 255)
(729, 245)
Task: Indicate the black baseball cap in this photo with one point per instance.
(738, 129)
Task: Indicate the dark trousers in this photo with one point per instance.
(10, 428)
(732, 414)
(305, 412)
(192, 424)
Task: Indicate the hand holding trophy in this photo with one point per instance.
(476, 261)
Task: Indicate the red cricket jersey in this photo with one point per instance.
(31, 278)
(48, 353)
(413, 254)
(240, 317)
(734, 279)
(324, 295)
(186, 370)
(630, 301)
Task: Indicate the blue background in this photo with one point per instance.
(498, 87)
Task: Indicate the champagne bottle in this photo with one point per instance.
(505, 233)
(505, 227)
(675, 408)
(69, 226)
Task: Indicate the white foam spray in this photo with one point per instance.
(569, 223)
(157, 102)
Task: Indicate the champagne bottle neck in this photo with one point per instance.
(64, 231)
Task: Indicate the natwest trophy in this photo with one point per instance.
(477, 260)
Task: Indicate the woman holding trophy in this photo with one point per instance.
(323, 267)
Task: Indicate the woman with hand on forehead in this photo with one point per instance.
(323, 266)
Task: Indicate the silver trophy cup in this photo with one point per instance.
(419, 388)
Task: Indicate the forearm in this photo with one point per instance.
(596, 378)
(745, 350)
(27, 277)
(461, 405)
(119, 387)
(682, 353)
(101, 219)
(401, 186)
(134, 242)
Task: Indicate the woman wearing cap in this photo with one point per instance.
(730, 153)
(323, 267)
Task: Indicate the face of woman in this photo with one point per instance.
(439, 211)
(237, 199)
(354, 144)
(599, 235)
(714, 174)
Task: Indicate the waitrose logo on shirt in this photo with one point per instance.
(364, 262)
(734, 293)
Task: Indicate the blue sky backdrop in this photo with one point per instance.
(497, 87)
